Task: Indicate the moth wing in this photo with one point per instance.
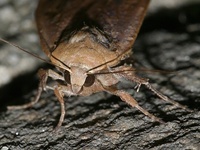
(53, 17)
(120, 20)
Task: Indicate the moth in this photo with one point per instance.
(86, 42)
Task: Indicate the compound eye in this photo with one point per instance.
(67, 77)
(89, 80)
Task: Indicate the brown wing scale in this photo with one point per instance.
(118, 20)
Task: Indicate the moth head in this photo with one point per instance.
(78, 79)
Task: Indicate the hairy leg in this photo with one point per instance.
(124, 71)
(131, 101)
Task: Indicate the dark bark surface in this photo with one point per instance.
(169, 40)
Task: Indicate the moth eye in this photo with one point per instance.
(67, 77)
(89, 80)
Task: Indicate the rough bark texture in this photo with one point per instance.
(169, 40)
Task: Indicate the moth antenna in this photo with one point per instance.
(112, 72)
(26, 51)
(60, 61)
(107, 61)
(139, 70)
(157, 71)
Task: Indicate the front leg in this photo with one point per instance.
(60, 91)
(128, 73)
(59, 94)
(43, 75)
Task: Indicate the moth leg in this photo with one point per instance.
(30, 104)
(60, 91)
(131, 101)
(165, 98)
(59, 94)
(142, 81)
(43, 75)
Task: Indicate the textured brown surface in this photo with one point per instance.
(169, 40)
(114, 18)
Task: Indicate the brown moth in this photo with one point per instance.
(86, 41)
